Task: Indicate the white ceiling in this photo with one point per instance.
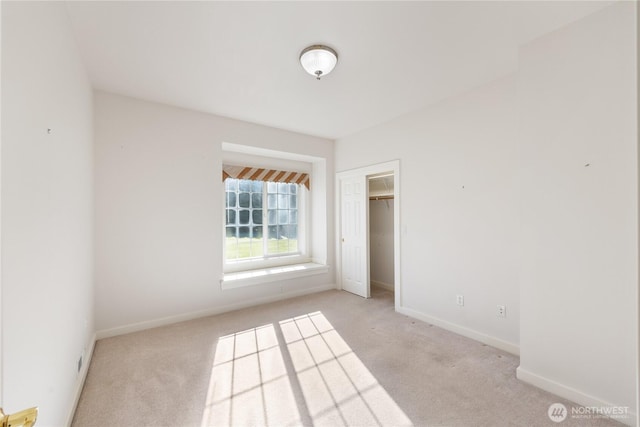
(240, 59)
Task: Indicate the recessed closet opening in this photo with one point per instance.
(381, 232)
(368, 231)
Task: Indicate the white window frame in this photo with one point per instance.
(275, 260)
(314, 261)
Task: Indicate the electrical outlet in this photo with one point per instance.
(460, 300)
(502, 311)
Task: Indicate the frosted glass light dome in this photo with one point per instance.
(318, 60)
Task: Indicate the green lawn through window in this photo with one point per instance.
(245, 247)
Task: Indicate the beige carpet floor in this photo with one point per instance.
(326, 359)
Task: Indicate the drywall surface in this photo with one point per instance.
(47, 210)
(381, 242)
(159, 210)
(578, 170)
(458, 206)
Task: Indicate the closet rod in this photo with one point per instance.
(380, 197)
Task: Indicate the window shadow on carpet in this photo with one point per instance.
(298, 371)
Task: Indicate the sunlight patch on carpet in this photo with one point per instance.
(249, 382)
(338, 389)
(299, 371)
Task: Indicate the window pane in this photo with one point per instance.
(291, 232)
(257, 248)
(256, 200)
(277, 246)
(232, 232)
(284, 231)
(272, 201)
(273, 217)
(283, 216)
(283, 244)
(230, 199)
(283, 201)
(231, 250)
(281, 234)
(273, 232)
(244, 200)
(257, 233)
(231, 216)
(244, 216)
(257, 216)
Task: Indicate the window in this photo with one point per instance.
(267, 205)
(263, 220)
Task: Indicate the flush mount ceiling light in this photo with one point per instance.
(318, 60)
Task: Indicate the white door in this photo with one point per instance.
(354, 226)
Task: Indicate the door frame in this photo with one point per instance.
(367, 171)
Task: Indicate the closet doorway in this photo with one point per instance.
(361, 238)
(381, 236)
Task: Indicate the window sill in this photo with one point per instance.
(272, 274)
(247, 265)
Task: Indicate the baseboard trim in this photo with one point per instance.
(82, 376)
(461, 330)
(149, 324)
(569, 393)
(383, 285)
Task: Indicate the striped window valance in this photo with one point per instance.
(262, 174)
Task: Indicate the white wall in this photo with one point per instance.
(47, 215)
(159, 196)
(507, 213)
(1, 328)
(381, 242)
(578, 105)
(455, 240)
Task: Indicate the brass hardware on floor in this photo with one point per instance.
(25, 418)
